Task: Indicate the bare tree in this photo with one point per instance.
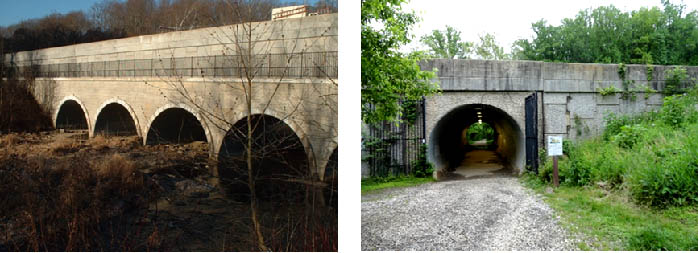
(247, 49)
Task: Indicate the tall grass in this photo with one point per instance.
(55, 204)
(653, 156)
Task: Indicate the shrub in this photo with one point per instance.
(628, 135)
(679, 109)
(421, 166)
(667, 175)
(674, 79)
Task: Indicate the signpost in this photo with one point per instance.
(554, 149)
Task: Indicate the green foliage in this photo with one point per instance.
(379, 155)
(378, 183)
(610, 90)
(647, 90)
(580, 127)
(628, 136)
(421, 166)
(610, 222)
(480, 131)
(650, 72)
(652, 156)
(387, 75)
(627, 93)
(488, 49)
(680, 109)
(674, 79)
(447, 44)
(607, 35)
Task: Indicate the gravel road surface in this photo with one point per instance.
(487, 212)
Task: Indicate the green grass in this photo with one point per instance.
(374, 184)
(613, 222)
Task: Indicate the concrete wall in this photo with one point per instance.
(307, 105)
(309, 34)
(568, 101)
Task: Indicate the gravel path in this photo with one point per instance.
(482, 213)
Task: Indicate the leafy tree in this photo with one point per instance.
(608, 35)
(446, 44)
(388, 75)
(480, 131)
(488, 49)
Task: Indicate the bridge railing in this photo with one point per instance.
(297, 65)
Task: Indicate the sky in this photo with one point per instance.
(507, 20)
(14, 11)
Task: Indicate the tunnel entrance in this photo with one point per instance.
(280, 164)
(476, 138)
(115, 120)
(71, 116)
(175, 126)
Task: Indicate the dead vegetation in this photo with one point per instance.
(62, 192)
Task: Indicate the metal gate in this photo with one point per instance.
(531, 132)
(391, 148)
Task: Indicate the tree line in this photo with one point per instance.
(113, 19)
(667, 36)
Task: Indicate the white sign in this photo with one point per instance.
(554, 146)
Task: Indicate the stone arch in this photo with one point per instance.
(298, 130)
(82, 106)
(280, 159)
(446, 147)
(128, 109)
(204, 124)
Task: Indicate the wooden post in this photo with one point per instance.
(556, 171)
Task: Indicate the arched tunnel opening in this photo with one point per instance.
(175, 126)
(475, 139)
(279, 161)
(71, 116)
(115, 120)
(330, 177)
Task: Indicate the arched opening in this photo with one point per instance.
(454, 146)
(71, 116)
(479, 135)
(279, 161)
(175, 126)
(330, 177)
(115, 120)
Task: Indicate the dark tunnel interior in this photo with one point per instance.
(279, 160)
(449, 137)
(175, 126)
(330, 177)
(71, 116)
(115, 120)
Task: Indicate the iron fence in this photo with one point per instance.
(393, 148)
(301, 65)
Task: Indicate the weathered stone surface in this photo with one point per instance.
(556, 118)
(572, 106)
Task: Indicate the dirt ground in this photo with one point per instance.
(188, 212)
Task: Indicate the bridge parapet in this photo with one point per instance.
(490, 75)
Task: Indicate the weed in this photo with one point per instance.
(377, 183)
(610, 90)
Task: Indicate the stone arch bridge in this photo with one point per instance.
(193, 84)
(526, 101)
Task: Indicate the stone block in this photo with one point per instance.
(612, 99)
(555, 98)
(555, 118)
(583, 105)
